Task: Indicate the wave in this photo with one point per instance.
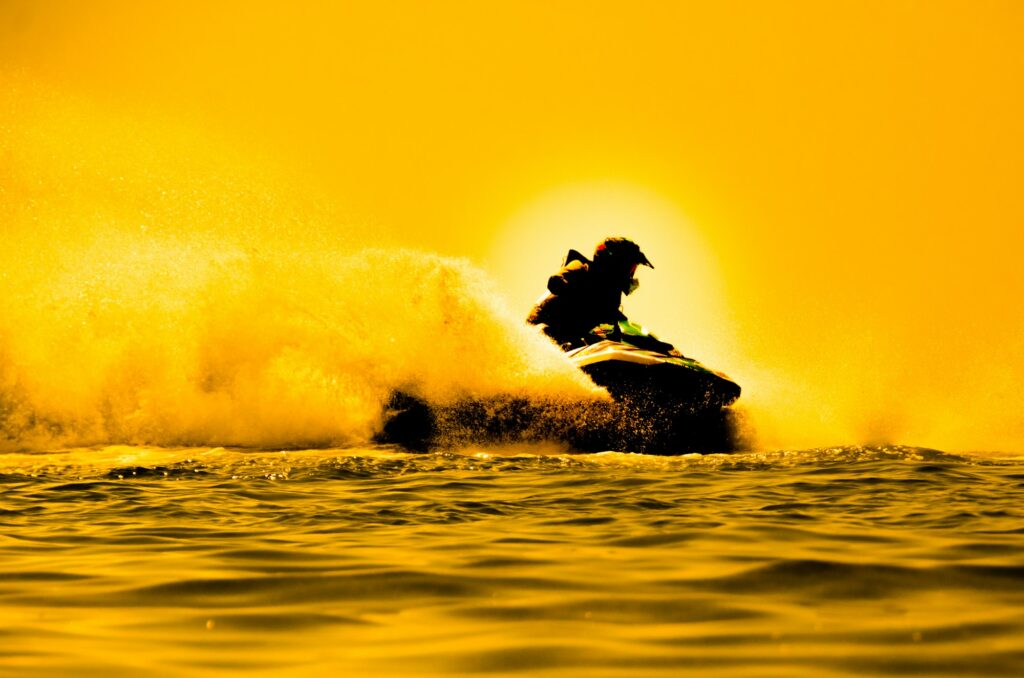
(142, 339)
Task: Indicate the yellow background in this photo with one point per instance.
(831, 192)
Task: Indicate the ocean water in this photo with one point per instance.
(514, 561)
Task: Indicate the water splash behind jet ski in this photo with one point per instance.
(661, 403)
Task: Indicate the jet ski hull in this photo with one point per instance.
(660, 404)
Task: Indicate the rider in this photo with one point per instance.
(585, 294)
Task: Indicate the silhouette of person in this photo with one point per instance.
(585, 293)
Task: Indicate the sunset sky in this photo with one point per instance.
(830, 192)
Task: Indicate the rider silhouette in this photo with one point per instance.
(585, 293)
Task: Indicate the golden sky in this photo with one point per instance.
(830, 191)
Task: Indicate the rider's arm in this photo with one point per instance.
(568, 277)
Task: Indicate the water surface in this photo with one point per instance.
(511, 562)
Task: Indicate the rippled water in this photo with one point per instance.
(841, 562)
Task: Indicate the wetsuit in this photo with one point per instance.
(580, 298)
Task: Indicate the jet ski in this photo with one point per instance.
(633, 365)
(662, 402)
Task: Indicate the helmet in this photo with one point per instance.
(620, 251)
